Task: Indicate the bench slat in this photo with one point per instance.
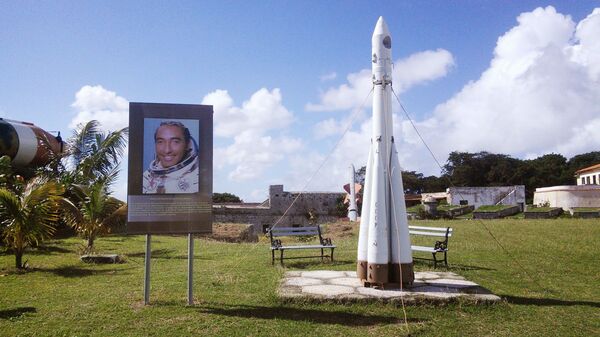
(443, 235)
(292, 229)
(302, 247)
(441, 229)
(427, 249)
(295, 234)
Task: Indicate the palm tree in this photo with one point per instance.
(96, 210)
(29, 215)
(92, 160)
(92, 154)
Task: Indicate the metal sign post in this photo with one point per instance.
(190, 269)
(147, 271)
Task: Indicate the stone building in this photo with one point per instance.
(309, 208)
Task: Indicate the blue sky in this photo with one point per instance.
(285, 77)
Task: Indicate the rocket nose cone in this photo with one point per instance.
(381, 27)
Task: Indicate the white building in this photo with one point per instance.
(588, 175)
(493, 195)
(568, 197)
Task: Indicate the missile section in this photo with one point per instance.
(27, 144)
(352, 210)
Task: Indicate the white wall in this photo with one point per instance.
(568, 197)
(479, 196)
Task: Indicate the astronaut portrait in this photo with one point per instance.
(173, 162)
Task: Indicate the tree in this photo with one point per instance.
(96, 210)
(92, 160)
(30, 214)
(578, 162)
(92, 154)
(225, 197)
(412, 182)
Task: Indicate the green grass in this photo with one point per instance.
(415, 208)
(446, 207)
(540, 209)
(492, 208)
(554, 293)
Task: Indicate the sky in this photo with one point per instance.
(290, 80)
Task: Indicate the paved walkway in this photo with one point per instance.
(328, 285)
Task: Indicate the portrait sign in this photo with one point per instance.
(170, 169)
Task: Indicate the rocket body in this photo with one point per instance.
(27, 144)
(352, 210)
(384, 254)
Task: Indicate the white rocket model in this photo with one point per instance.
(384, 254)
(352, 211)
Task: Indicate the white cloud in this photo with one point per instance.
(254, 128)
(112, 111)
(105, 106)
(421, 68)
(252, 153)
(588, 49)
(331, 126)
(328, 77)
(418, 68)
(263, 111)
(539, 95)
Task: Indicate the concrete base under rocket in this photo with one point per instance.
(385, 275)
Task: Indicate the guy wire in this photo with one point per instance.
(347, 128)
(514, 260)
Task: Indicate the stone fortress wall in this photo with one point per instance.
(311, 207)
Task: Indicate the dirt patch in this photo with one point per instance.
(233, 232)
(341, 229)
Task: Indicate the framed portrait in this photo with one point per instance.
(170, 168)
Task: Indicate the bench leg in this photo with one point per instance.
(446, 259)
(272, 257)
(434, 261)
(321, 254)
(332, 254)
(281, 258)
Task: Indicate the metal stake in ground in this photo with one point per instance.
(147, 271)
(190, 269)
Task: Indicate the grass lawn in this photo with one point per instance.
(492, 208)
(556, 294)
(540, 209)
(446, 207)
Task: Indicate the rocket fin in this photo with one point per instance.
(363, 234)
(401, 256)
(378, 243)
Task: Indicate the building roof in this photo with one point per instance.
(588, 169)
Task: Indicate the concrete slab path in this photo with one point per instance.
(429, 287)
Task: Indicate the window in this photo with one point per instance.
(464, 202)
(594, 180)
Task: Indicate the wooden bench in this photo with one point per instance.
(439, 246)
(274, 233)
